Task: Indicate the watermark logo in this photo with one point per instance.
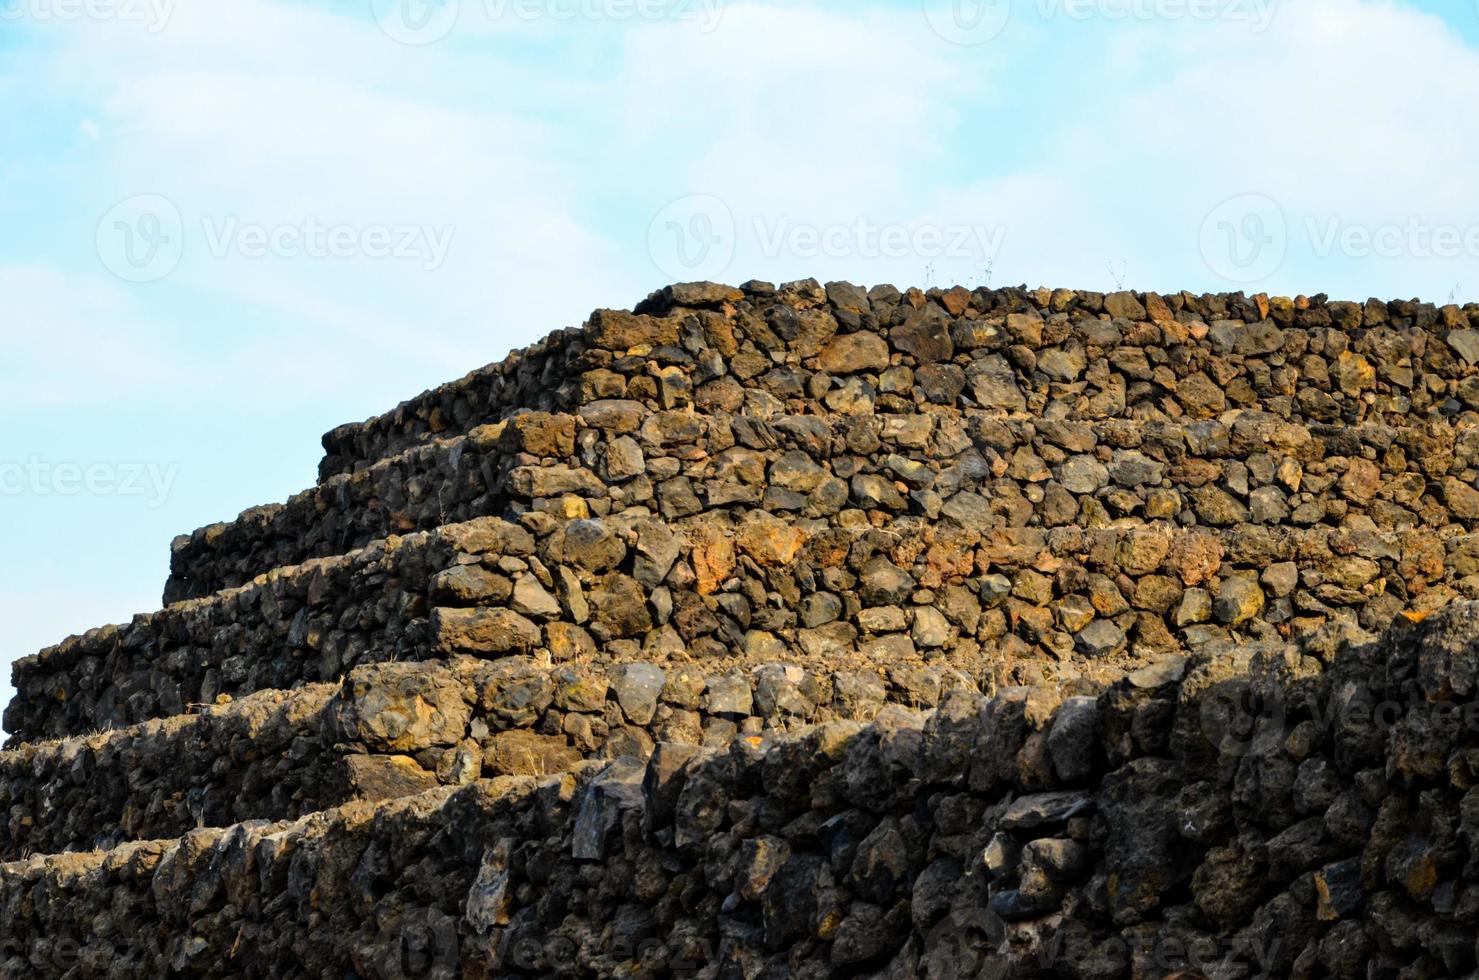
(968, 22)
(1245, 238)
(142, 238)
(153, 15)
(416, 22)
(38, 477)
(692, 238)
(964, 941)
(1233, 717)
(420, 944)
(424, 244)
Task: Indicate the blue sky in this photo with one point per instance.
(233, 224)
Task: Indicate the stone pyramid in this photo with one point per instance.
(807, 631)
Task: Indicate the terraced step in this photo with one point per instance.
(1231, 348)
(1003, 605)
(419, 491)
(558, 374)
(393, 730)
(619, 454)
(99, 914)
(840, 352)
(1095, 836)
(263, 756)
(302, 624)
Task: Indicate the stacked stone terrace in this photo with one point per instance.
(802, 631)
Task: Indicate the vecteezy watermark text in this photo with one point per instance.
(427, 21)
(43, 478)
(1167, 954)
(1236, 719)
(979, 21)
(312, 239)
(1414, 238)
(154, 15)
(866, 240)
(697, 236)
(1246, 238)
(968, 937)
(143, 239)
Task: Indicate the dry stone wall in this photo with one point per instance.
(538, 378)
(823, 402)
(808, 631)
(1135, 834)
(1389, 339)
(397, 729)
(307, 623)
(1075, 605)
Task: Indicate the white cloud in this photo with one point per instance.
(1342, 109)
(797, 110)
(276, 116)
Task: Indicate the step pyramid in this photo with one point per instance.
(806, 631)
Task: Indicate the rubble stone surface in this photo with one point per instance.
(808, 631)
